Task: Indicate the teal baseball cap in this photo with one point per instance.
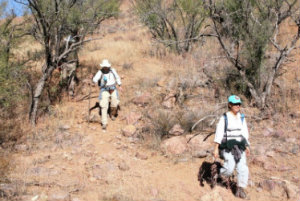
(234, 99)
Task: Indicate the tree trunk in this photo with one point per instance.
(37, 94)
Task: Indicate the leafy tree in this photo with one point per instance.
(54, 21)
(12, 79)
(177, 24)
(247, 32)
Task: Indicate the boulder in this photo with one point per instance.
(198, 146)
(170, 103)
(143, 99)
(133, 118)
(176, 130)
(129, 130)
(169, 100)
(174, 145)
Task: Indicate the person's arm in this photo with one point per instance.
(216, 150)
(118, 79)
(219, 136)
(97, 77)
(246, 135)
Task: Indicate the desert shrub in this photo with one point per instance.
(12, 77)
(247, 31)
(234, 84)
(175, 24)
(160, 122)
(127, 66)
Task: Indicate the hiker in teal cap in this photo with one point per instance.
(232, 144)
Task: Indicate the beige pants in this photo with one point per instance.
(104, 103)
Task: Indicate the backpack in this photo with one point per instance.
(228, 144)
(226, 121)
(99, 81)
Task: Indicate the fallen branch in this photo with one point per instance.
(209, 134)
(202, 119)
(223, 105)
(86, 97)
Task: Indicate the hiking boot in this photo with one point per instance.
(240, 193)
(113, 113)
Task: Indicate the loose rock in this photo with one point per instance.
(198, 146)
(129, 131)
(176, 130)
(143, 99)
(175, 145)
(123, 166)
(132, 118)
(141, 156)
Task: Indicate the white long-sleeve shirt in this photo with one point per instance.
(112, 77)
(235, 128)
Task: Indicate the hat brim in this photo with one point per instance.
(235, 102)
(105, 65)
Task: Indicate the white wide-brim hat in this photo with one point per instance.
(105, 63)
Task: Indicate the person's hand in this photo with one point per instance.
(248, 151)
(216, 152)
(120, 88)
(91, 76)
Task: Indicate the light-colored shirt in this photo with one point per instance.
(111, 78)
(235, 128)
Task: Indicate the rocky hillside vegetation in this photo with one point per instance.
(163, 136)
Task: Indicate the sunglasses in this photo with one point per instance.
(235, 104)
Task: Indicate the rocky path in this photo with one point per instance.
(76, 161)
(80, 162)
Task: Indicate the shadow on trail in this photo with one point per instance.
(210, 173)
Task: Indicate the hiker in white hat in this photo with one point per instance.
(108, 79)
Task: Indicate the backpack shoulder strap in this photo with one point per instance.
(242, 117)
(112, 70)
(226, 122)
(99, 81)
(225, 125)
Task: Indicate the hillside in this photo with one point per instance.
(67, 157)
